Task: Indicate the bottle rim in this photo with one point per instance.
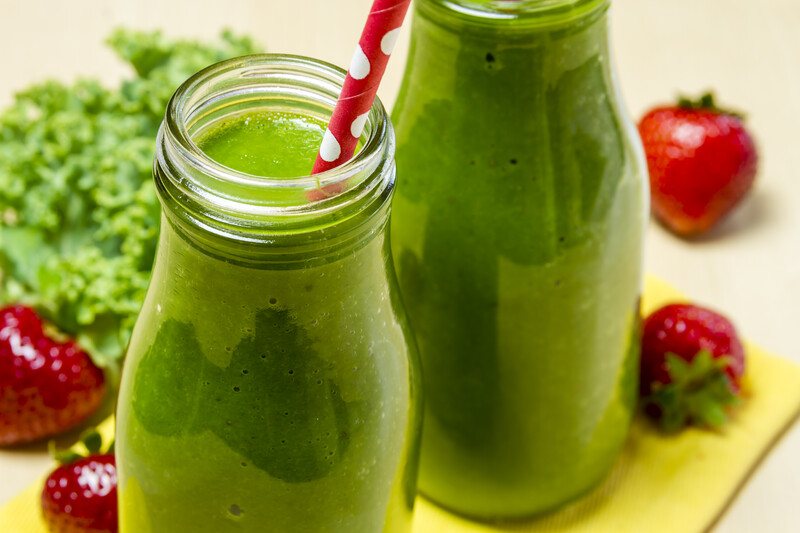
(296, 83)
(514, 14)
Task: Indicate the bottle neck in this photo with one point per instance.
(513, 15)
(517, 23)
(249, 218)
(179, 251)
(534, 121)
(523, 65)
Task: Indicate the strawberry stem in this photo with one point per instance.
(707, 102)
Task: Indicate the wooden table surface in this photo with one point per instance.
(748, 51)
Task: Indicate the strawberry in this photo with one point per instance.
(80, 496)
(692, 366)
(46, 386)
(702, 163)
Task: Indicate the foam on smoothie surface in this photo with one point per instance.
(265, 143)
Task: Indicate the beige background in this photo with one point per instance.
(748, 50)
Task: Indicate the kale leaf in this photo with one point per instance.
(79, 215)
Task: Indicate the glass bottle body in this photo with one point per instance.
(270, 382)
(517, 232)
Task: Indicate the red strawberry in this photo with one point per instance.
(702, 162)
(81, 497)
(46, 387)
(692, 365)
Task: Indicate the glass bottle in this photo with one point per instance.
(271, 383)
(517, 233)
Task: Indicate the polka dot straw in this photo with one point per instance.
(360, 86)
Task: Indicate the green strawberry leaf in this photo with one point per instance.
(62, 457)
(699, 393)
(93, 441)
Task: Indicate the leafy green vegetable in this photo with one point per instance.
(78, 212)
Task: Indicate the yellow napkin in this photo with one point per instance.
(676, 483)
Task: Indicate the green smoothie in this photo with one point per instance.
(266, 143)
(268, 392)
(517, 234)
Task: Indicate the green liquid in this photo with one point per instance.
(268, 398)
(265, 143)
(517, 232)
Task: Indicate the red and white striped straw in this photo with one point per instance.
(360, 86)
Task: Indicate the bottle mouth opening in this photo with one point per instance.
(272, 82)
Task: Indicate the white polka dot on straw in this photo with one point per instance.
(389, 40)
(357, 127)
(330, 148)
(359, 66)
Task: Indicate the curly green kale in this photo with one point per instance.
(78, 211)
